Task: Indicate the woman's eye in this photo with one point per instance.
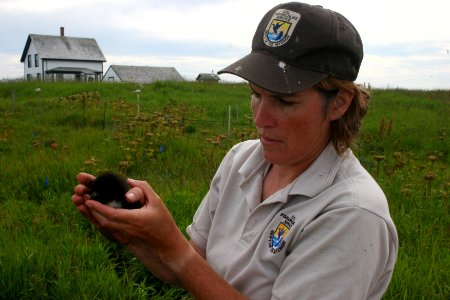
(254, 97)
(285, 102)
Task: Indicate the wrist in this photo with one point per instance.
(180, 258)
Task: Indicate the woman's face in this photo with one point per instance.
(293, 129)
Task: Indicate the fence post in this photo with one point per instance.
(229, 121)
(13, 98)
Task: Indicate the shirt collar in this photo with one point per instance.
(254, 164)
(320, 175)
(310, 183)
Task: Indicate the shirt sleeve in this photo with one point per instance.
(345, 253)
(199, 229)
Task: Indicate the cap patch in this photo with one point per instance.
(280, 27)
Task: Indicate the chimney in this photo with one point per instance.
(61, 31)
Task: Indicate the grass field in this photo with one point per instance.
(47, 136)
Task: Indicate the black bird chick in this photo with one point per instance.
(110, 189)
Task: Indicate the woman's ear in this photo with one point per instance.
(340, 105)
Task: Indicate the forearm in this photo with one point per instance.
(183, 265)
(195, 275)
(164, 250)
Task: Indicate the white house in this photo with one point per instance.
(141, 74)
(48, 57)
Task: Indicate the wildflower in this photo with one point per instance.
(406, 190)
(397, 154)
(92, 161)
(378, 158)
(432, 157)
(430, 176)
(390, 127)
(53, 145)
(381, 129)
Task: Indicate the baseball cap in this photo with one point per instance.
(297, 45)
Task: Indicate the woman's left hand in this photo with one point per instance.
(150, 232)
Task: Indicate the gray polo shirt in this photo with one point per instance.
(327, 235)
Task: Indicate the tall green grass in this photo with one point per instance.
(47, 250)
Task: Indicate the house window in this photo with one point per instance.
(38, 76)
(111, 79)
(29, 61)
(36, 60)
(28, 77)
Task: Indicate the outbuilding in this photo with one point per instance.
(208, 77)
(141, 74)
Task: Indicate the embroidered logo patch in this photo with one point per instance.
(277, 237)
(280, 27)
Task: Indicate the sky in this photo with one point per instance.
(406, 43)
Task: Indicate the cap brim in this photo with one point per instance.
(272, 74)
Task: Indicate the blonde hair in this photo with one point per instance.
(344, 130)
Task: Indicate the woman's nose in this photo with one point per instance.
(263, 113)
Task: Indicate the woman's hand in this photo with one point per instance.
(152, 235)
(150, 232)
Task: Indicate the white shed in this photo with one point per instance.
(141, 74)
(208, 77)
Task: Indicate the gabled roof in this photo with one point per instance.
(208, 77)
(64, 47)
(143, 74)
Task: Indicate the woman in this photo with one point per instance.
(292, 215)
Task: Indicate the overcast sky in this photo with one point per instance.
(406, 43)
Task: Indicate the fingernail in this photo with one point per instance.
(88, 204)
(131, 196)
